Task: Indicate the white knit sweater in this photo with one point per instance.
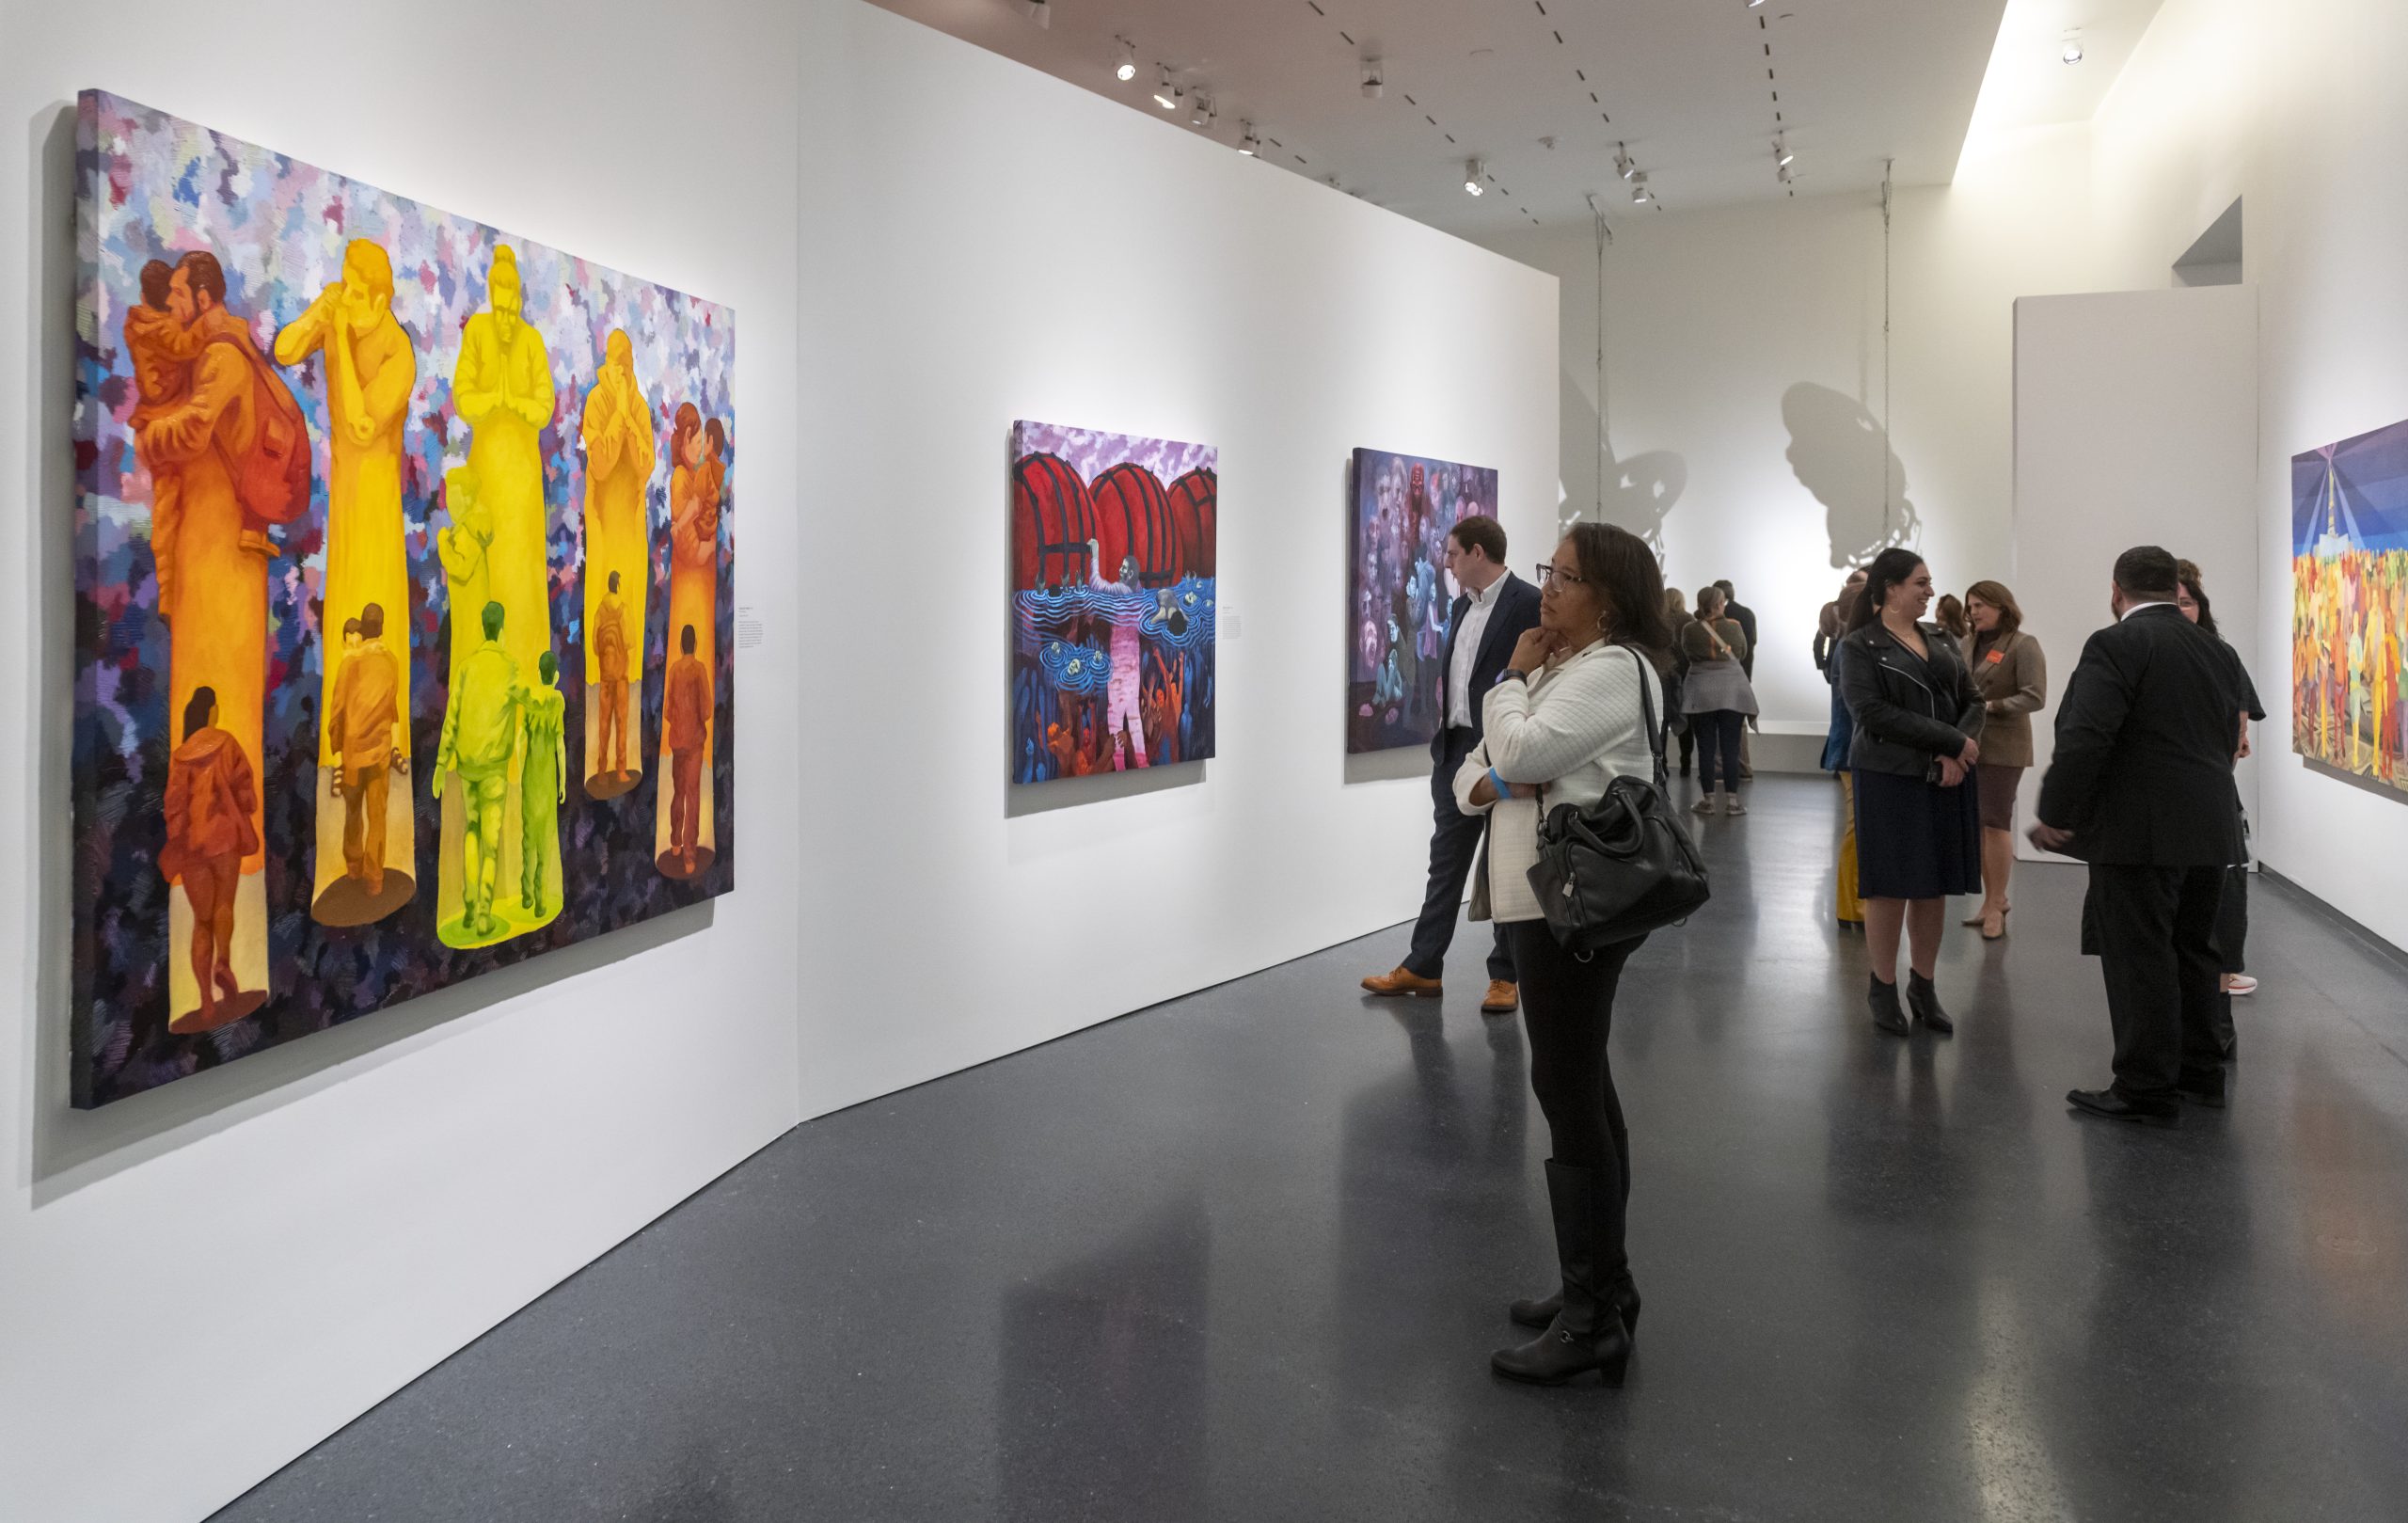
(1573, 729)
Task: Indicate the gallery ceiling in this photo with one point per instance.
(1545, 91)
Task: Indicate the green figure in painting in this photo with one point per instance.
(480, 736)
(543, 778)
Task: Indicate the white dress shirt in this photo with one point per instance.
(1468, 638)
(2162, 602)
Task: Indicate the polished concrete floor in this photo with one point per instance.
(1244, 1256)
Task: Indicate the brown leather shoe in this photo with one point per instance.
(1504, 998)
(1403, 981)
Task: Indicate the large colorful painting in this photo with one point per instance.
(1400, 595)
(1112, 617)
(2349, 603)
(404, 554)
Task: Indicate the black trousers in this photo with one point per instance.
(1454, 845)
(1719, 732)
(2156, 946)
(1568, 1010)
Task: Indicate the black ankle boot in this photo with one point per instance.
(1924, 1001)
(1886, 1013)
(1587, 1332)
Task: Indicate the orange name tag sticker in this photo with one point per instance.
(1997, 657)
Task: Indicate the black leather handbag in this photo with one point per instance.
(1623, 867)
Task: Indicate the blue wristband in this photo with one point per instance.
(1503, 792)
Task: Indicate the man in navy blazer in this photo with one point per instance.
(1496, 608)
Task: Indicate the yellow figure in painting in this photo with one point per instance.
(684, 833)
(501, 387)
(543, 781)
(462, 547)
(369, 370)
(213, 557)
(619, 459)
(502, 390)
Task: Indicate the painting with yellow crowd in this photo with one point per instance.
(2349, 604)
(376, 553)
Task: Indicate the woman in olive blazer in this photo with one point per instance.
(2012, 674)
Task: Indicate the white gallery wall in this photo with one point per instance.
(199, 1282)
(2299, 117)
(1712, 317)
(987, 244)
(1745, 384)
(922, 243)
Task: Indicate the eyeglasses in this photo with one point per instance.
(1548, 573)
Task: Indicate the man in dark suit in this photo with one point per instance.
(2141, 789)
(1494, 611)
(1745, 618)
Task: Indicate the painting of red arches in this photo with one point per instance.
(1113, 602)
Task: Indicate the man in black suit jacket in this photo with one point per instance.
(1497, 607)
(2141, 789)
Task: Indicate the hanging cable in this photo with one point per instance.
(1889, 453)
(1598, 460)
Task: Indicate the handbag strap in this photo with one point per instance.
(1647, 712)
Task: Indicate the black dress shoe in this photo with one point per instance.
(2202, 1087)
(1886, 1011)
(1924, 1000)
(2112, 1107)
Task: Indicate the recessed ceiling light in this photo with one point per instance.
(1126, 69)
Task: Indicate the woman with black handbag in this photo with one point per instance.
(1567, 719)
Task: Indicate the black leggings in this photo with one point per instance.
(1718, 730)
(1568, 1010)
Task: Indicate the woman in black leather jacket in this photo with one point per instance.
(1918, 721)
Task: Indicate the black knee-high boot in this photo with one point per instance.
(1587, 1332)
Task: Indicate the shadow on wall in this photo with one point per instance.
(1839, 452)
(1638, 492)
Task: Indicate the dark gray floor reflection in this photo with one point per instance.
(1244, 1256)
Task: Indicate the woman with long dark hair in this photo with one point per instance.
(1918, 721)
(1563, 720)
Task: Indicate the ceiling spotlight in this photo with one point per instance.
(1638, 195)
(1622, 165)
(1785, 176)
(1472, 177)
(1126, 69)
(1202, 113)
(1039, 11)
(2072, 53)
(1753, 4)
(1248, 144)
(1781, 152)
(1166, 93)
(1374, 81)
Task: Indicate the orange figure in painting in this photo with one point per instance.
(619, 459)
(213, 807)
(214, 561)
(609, 747)
(368, 371)
(368, 740)
(698, 479)
(162, 350)
(686, 721)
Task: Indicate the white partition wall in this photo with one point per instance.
(2135, 423)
